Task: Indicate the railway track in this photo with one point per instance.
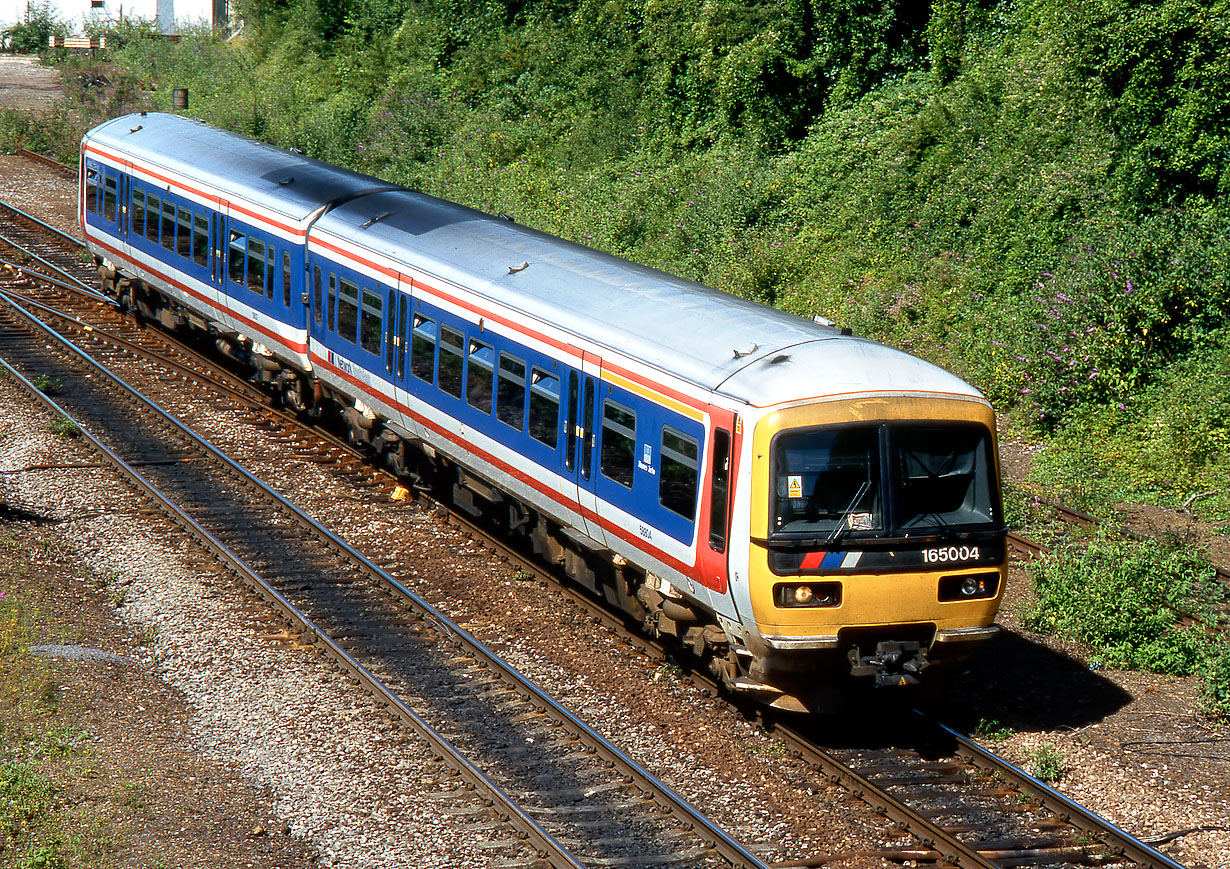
(964, 806)
(574, 797)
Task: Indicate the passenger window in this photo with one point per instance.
(168, 225)
(318, 297)
(184, 238)
(110, 188)
(721, 488)
(544, 407)
(238, 250)
(423, 348)
(271, 265)
(448, 377)
(138, 212)
(372, 320)
(480, 376)
(348, 310)
(91, 190)
(618, 443)
(286, 278)
(256, 265)
(510, 392)
(200, 240)
(677, 476)
(153, 208)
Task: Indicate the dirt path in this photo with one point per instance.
(27, 86)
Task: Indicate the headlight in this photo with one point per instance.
(807, 594)
(970, 586)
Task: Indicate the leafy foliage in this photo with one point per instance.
(31, 35)
(1127, 601)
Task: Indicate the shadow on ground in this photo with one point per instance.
(1024, 685)
(8, 513)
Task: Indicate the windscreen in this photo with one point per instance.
(827, 479)
(944, 475)
(830, 481)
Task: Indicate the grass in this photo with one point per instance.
(64, 428)
(49, 385)
(1046, 763)
(989, 728)
(44, 746)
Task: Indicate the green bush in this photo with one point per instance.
(1126, 600)
(32, 34)
(1216, 689)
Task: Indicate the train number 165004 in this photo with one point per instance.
(950, 553)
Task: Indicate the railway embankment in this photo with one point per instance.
(1130, 745)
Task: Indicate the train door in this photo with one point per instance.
(124, 205)
(580, 459)
(217, 266)
(713, 542)
(395, 363)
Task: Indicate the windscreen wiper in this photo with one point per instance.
(836, 533)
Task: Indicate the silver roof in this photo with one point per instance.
(744, 350)
(285, 182)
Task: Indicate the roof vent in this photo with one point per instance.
(822, 321)
(512, 270)
(846, 330)
(137, 127)
(779, 358)
(284, 181)
(508, 217)
(381, 216)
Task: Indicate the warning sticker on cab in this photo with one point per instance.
(794, 486)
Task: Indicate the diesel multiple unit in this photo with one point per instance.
(806, 510)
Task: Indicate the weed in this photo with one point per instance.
(49, 385)
(25, 797)
(1046, 763)
(60, 742)
(16, 630)
(989, 728)
(134, 797)
(49, 696)
(64, 428)
(45, 856)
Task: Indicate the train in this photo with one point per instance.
(813, 515)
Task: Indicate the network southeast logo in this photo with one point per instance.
(347, 367)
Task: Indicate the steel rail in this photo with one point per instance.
(1123, 843)
(42, 224)
(82, 289)
(944, 845)
(51, 162)
(443, 749)
(659, 792)
(951, 849)
(81, 285)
